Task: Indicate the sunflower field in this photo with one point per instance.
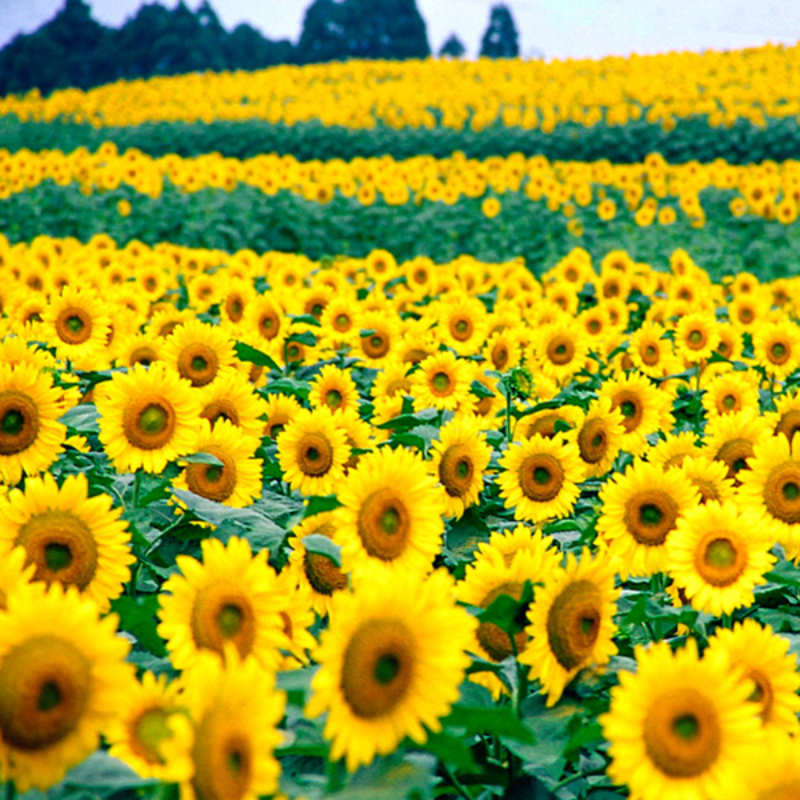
(365, 438)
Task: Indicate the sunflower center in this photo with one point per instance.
(275, 425)
(223, 757)
(729, 402)
(560, 350)
(378, 667)
(721, 558)
(19, 422)
(779, 353)
(220, 409)
(45, 684)
(494, 640)
(333, 399)
(342, 323)
(144, 355)
(649, 355)
(62, 547)
(314, 454)
(789, 424)
(456, 470)
(762, 693)
(149, 423)
(384, 524)
(198, 363)
(269, 324)
(541, 477)
(593, 441)
(148, 731)
(442, 384)
(650, 516)
(682, 733)
(73, 326)
(573, 623)
(782, 492)
(500, 356)
(323, 575)
(631, 409)
(375, 345)
(211, 481)
(696, 340)
(734, 453)
(234, 305)
(223, 613)
(544, 426)
(461, 329)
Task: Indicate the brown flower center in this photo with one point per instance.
(573, 623)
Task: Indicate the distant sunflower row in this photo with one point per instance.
(751, 84)
(261, 466)
(770, 190)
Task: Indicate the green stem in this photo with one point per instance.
(566, 781)
(457, 785)
(333, 769)
(508, 414)
(11, 790)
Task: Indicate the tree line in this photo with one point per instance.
(73, 49)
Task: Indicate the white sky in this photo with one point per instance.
(557, 28)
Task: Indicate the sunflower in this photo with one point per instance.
(776, 347)
(265, 318)
(235, 711)
(69, 537)
(645, 409)
(340, 322)
(539, 478)
(709, 477)
(238, 481)
(674, 449)
(681, 726)
(730, 392)
(198, 352)
(228, 599)
(280, 410)
(391, 516)
(717, 554)
(151, 733)
(571, 622)
(560, 349)
(497, 571)
(502, 350)
(462, 323)
(598, 437)
(696, 337)
(334, 388)
(640, 509)
(63, 676)
(312, 452)
(550, 423)
(137, 348)
(30, 437)
(148, 417)
(391, 664)
(14, 573)
(392, 380)
(778, 773)
(730, 344)
(231, 398)
(442, 381)
(315, 570)
(651, 353)
(458, 459)
(379, 337)
(785, 419)
(732, 438)
(297, 616)
(77, 324)
(358, 434)
(764, 659)
(772, 486)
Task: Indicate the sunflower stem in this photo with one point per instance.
(457, 785)
(11, 790)
(727, 621)
(333, 769)
(566, 781)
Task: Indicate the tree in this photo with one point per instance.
(453, 47)
(500, 39)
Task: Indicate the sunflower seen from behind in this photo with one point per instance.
(228, 599)
(148, 417)
(391, 664)
(571, 622)
(681, 727)
(69, 537)
(63, 676)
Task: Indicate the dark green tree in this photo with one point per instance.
(324, 33)
(500, 39)
(453, 47)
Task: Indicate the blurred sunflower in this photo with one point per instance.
(391, 664)
(785, 419)
(674, 449)
(571, 622)
(231, 398)
(598, 437)
(280, 410)
(776, 347)
(462, 324)
(651, 353)
(732, 438)
(148, 417)
(709, 477)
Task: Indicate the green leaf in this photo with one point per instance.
(244, 352)
(318, 505)
(305, 319)
(392, 779)
(508, 613)
(479, 390)
(306, 337)
(82, 418)
(500, 721)
(452, 750)
(137, 616)
(102, 773)
(323, 546)
(203, 458)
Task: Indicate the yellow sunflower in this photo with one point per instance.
(199, 352)
(681, 726)
(550, 423)
(560, 349)
(69, 537)
(237, 482)
(280, 410)
(14, 574)
(312, 452)
(235, 711)
(30, 436)
(772, 486)
(502, 350)
(785, 419)
(334, 388)
(391, 516)
(651, 353)
(730, 392)
(764, 659)
(778, 773)
(391, 664)
(148, 417)
(732, 438)
(458, 460)
(63, 677)
(674, 449)
(571, 622)
(442, 382)
(640, 509)
(379, 337)
(776, 347)
(137, 348)
(710, 478)
(717, 554)
(392, 380)
(228, 599)
(599, 437)
(540, 477)
(77, 324)
(152, 733)
(462, 323)
(696, 337)
(315, 570)
(231, 397)
(297, 616)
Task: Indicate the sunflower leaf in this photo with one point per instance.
(203, 458)
(137, 617)
(82, 418)
(323, 546)
(244, 352)
(500, 721)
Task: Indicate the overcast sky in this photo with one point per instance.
(557, 28)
